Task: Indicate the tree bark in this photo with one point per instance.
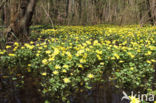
(2, 3)
(151, 18)
(21, 16)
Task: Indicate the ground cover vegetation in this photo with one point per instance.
(66, 61)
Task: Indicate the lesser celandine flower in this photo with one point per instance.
(48, 52)
(148, 53)
(51, 59)
(55, 72)
(16, 44)
(82, 61)
(95, 42)
(88, 42)
(130, 54)
(99, 57)
(153, 60)
(65, 66)
(29, 65)
(44, 73)
(102, 63)
(132, 68)
(98, 52)
(1, 52)
(56, 51)
(12, 55)
(116, 55)
(148, 61)
(31, 42)
(44, 61)
(134, 99)
(57, 67)
(90, 75)
(64, 71)
(66, 80)
(121, 61)
(8, 46)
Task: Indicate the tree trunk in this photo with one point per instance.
(151, 19)
(21, 16)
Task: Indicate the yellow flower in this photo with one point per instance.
(64, 71)
(148, 61)
(69, 55)
(65, 66)
(16, 44)
(148, 53)
(98, 52)
(80, 66)
(44, 73)
(40, 48)
(82, 61)
(132, 68)
(153, 60)
(12, 55)
(29, 70)
(116, 55)
(85, 55)
(112, 58)
(51, 59)
(121, 61)
(22, 47)
(88, 42)
(15, 49)
(55, 72)
(37, 54)
(99, 57)
(31, 42)
(134, 99)
(95, 42)
(152, 47)
(130, 54)
(66, 80)
(29, 46)
(1, 52)
(29, 65)
(90, 75)
(56, 51)
(44, 61)
(48, 52)
(8, 46)
(139, 50)
(79, 52)
(102, 63)
(45, 46)
(57, 67)
(107, 42)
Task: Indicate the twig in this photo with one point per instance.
(48, 15)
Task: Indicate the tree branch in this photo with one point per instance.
(2, 3)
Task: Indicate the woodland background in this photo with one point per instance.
(86, 12)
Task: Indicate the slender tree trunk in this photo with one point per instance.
(150, 12)
(80, 10)
(154, 11)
